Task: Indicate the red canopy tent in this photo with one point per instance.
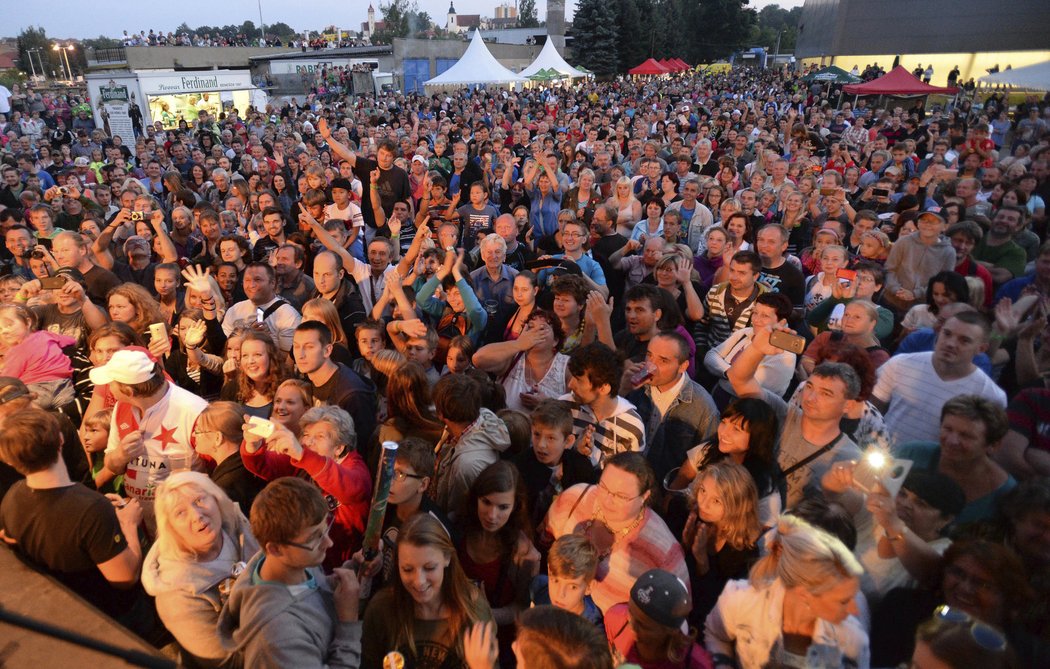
(897, 81)
(684, 65)
(650, 66)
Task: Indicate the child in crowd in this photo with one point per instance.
(822, 239)
(819, 287)
(94, 435)
(460, 354)
(35, 357)
(283, 611)
(519, 426)
(552, 464)
(571, 566)
(370, 340)
(874, 246)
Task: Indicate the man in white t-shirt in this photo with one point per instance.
(913, 387)
(5, 100)
(151, 431)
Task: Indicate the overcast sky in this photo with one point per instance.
(81, 19)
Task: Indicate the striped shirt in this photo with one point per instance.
(915, 393)
(623, 431)
(717, 313)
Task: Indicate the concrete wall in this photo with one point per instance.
(514, 56)
(195, 58)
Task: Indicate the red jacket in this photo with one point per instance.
(346, 484)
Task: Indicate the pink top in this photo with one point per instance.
(39, 358)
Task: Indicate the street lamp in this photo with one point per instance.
(64, 49)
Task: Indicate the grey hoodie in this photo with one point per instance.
(268, 626)
(911, 264)
(459, 463)
(190, 595)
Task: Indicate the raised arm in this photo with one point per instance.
(344, 152)
(167, 247)
(349, 262)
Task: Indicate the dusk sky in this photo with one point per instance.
(79, 19)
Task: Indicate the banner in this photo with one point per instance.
(116, 105)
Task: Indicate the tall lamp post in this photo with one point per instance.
(63, 48)
(32, 67)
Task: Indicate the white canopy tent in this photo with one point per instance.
(549, 58)
(477, 66)
(1033, 77)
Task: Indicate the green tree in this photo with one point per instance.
(281, 29)
(42, 55)
(596, 38)
(249, 30)
(773, 21)
(720, 26)
(527, 17)
(396, 20)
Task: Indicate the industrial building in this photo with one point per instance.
(973, 35)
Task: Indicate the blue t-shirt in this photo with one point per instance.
(539, 592)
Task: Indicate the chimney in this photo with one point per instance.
(556, 22)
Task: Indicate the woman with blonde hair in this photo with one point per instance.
(429, 607)
(722, 532)
(261, 370)
(292, 399)
(628, 207)
(132, 304)
(801, 594)
(218, 435)
(203, 542)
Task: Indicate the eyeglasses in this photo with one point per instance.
(986, 636)
(959, 574)
(618, 496)
(317, 542)
(402, 475)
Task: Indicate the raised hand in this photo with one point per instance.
(683, 271)
(197, 279)
(479, 646)
(374, 176)
(194, 335)
(598, 310)
(322, 128)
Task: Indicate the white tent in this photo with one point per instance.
(1034, 77)
(549, 58)
(477, 66)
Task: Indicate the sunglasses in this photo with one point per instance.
(986, 636)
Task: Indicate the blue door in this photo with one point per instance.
(417, 71)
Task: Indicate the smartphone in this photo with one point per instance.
(157, 331)
(786, 341)
(260, 427)
(880, 192)
(846, 276)
(877, 467)
(828, 190)
(260, 315)
(52, 282)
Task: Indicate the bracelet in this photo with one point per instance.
(21, 298)
(896, 537)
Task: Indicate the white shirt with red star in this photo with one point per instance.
(167, 430)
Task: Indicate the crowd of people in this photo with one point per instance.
(698, 372)
(154, 38)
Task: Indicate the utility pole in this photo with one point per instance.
(262, 26)
(32, 67)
